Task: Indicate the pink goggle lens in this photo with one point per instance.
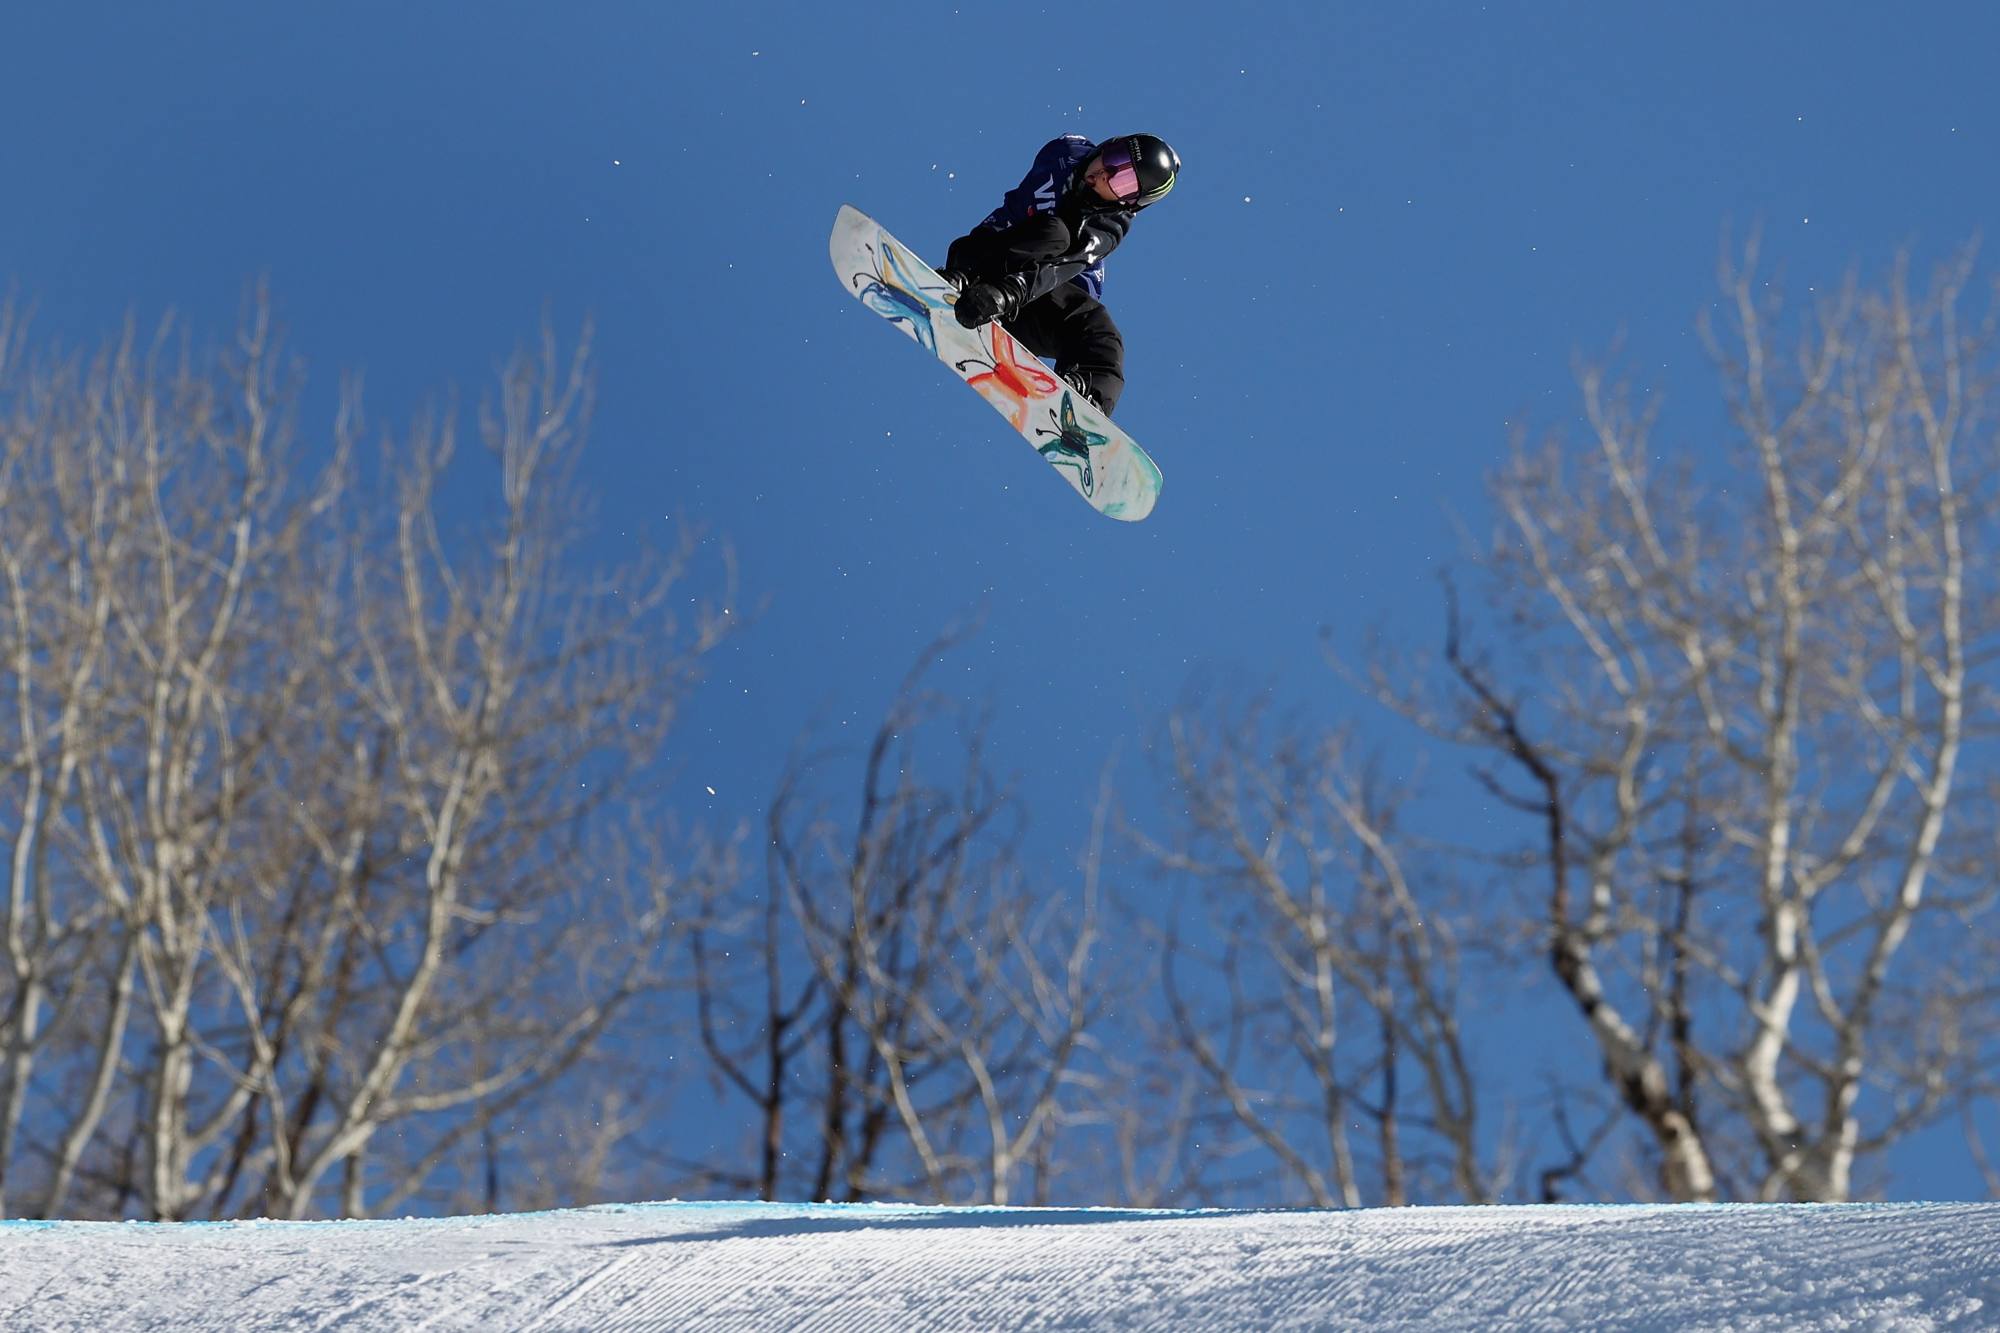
(1119, 170)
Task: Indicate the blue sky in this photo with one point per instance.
(1396, 226)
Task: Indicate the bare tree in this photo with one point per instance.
(320, 809)
(902, 1009)
(1316, 994)
(1735, 708)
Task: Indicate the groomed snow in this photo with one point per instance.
(776, 1266)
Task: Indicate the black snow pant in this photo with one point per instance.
(1069, 325)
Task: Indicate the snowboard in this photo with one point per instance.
(1099, 461)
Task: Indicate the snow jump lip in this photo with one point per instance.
(759, 1266)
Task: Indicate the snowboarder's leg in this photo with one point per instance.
(1072, 328)
(990, 254)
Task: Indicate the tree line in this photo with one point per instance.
(334, 888)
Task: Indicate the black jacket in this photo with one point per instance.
(1051, 187)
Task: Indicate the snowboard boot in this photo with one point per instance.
(1079, 381)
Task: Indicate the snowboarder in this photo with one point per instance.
(1036, 263)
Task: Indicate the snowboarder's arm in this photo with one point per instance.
(1095, 237)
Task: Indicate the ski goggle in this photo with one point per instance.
(1120, 171)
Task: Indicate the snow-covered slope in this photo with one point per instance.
(774, 1266)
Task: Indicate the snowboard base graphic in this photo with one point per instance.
(1099, 461)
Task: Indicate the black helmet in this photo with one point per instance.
(1141, 168)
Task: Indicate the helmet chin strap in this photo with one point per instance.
(1088, 202)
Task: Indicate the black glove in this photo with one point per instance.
(1000, 299)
